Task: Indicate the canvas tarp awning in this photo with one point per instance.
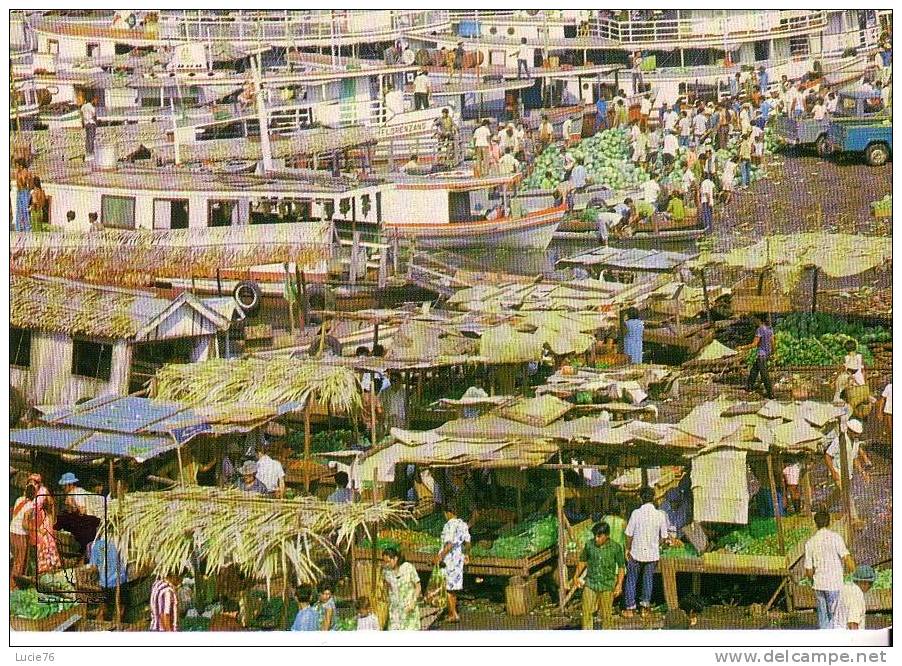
(720, 487)
(836, 255)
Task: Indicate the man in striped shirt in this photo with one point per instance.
(164, 603)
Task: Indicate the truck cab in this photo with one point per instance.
(868, 131)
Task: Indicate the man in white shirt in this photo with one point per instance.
(650, 191)
(89, 122)
(706, 203)
(670, 120)
(826, 558)
(832, 102)
(522, 54)
(671, 146)
(645, 106)
(847, 434)
(567, 130)
(819, 112)
(394, 102)
(269, 471)
(700, 127)
(481, 137)
(646, 529)
(851, 606)
(885, 411)
(685, 125)
(421, 89)
(508, 164)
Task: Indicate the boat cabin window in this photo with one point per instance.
(170, 213)
(53, 46)
(19, 347)
(468, 206)
(286, 211)
(92, 359)
(222, 213)
(117, 212)
(92, 50)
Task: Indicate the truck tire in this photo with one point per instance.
(821, 146)
(248, 295)
(876, 154)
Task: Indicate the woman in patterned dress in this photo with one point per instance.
(403, 591)
(455, 534)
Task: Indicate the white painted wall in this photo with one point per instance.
(415, 206)
(49, 380)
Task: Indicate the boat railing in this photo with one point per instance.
(689, 30)
(251, 26)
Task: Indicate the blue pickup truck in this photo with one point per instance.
(811, 132)
(873, 138)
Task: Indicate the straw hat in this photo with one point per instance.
(247, 468)
(856, 426)
(865, 573)
(68, 478)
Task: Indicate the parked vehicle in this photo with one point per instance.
(872, 138)
(811, 132)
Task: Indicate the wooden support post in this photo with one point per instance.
(178, 453)
(355, 249)
(668, 576)
(778, 510)
(118, 600)
(644, 477)
(696, 583)
(815, 273)
(218, 283)
(301, 285)
(561, 546)
(307, 436)
(395, 253)
(373, 414)
(288, 298)
(374, 538)
(807, 494)
(846, 491)
(383, 268)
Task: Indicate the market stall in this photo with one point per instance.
(764, 437)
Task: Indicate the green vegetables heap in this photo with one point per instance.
(818, 323)
(33, 605)
(523, 540)
(759, 537)
(322, 442)
(824, 350)
(605, 156)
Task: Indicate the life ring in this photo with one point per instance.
(248, 296)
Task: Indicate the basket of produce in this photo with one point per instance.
(30, 610)
(757, 545)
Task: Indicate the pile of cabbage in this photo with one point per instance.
(605, 156)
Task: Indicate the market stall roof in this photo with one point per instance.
(631, 383)
(836, 255)
(628, 259)
(576, 295)
(58, 305)
(137, 428)
(277, 380)
(790, 427)
(524, 433)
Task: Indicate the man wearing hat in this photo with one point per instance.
(74, 516)
(851, 606)
(247, 479)
(847, 435)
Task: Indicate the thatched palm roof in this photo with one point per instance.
(77, 308)
(276, 380)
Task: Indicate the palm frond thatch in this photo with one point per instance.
(131, 258)
(274, 381)
(264, 538)
(74, 308)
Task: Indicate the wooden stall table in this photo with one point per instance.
(732, 564)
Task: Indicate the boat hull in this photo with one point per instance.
(531, 232)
